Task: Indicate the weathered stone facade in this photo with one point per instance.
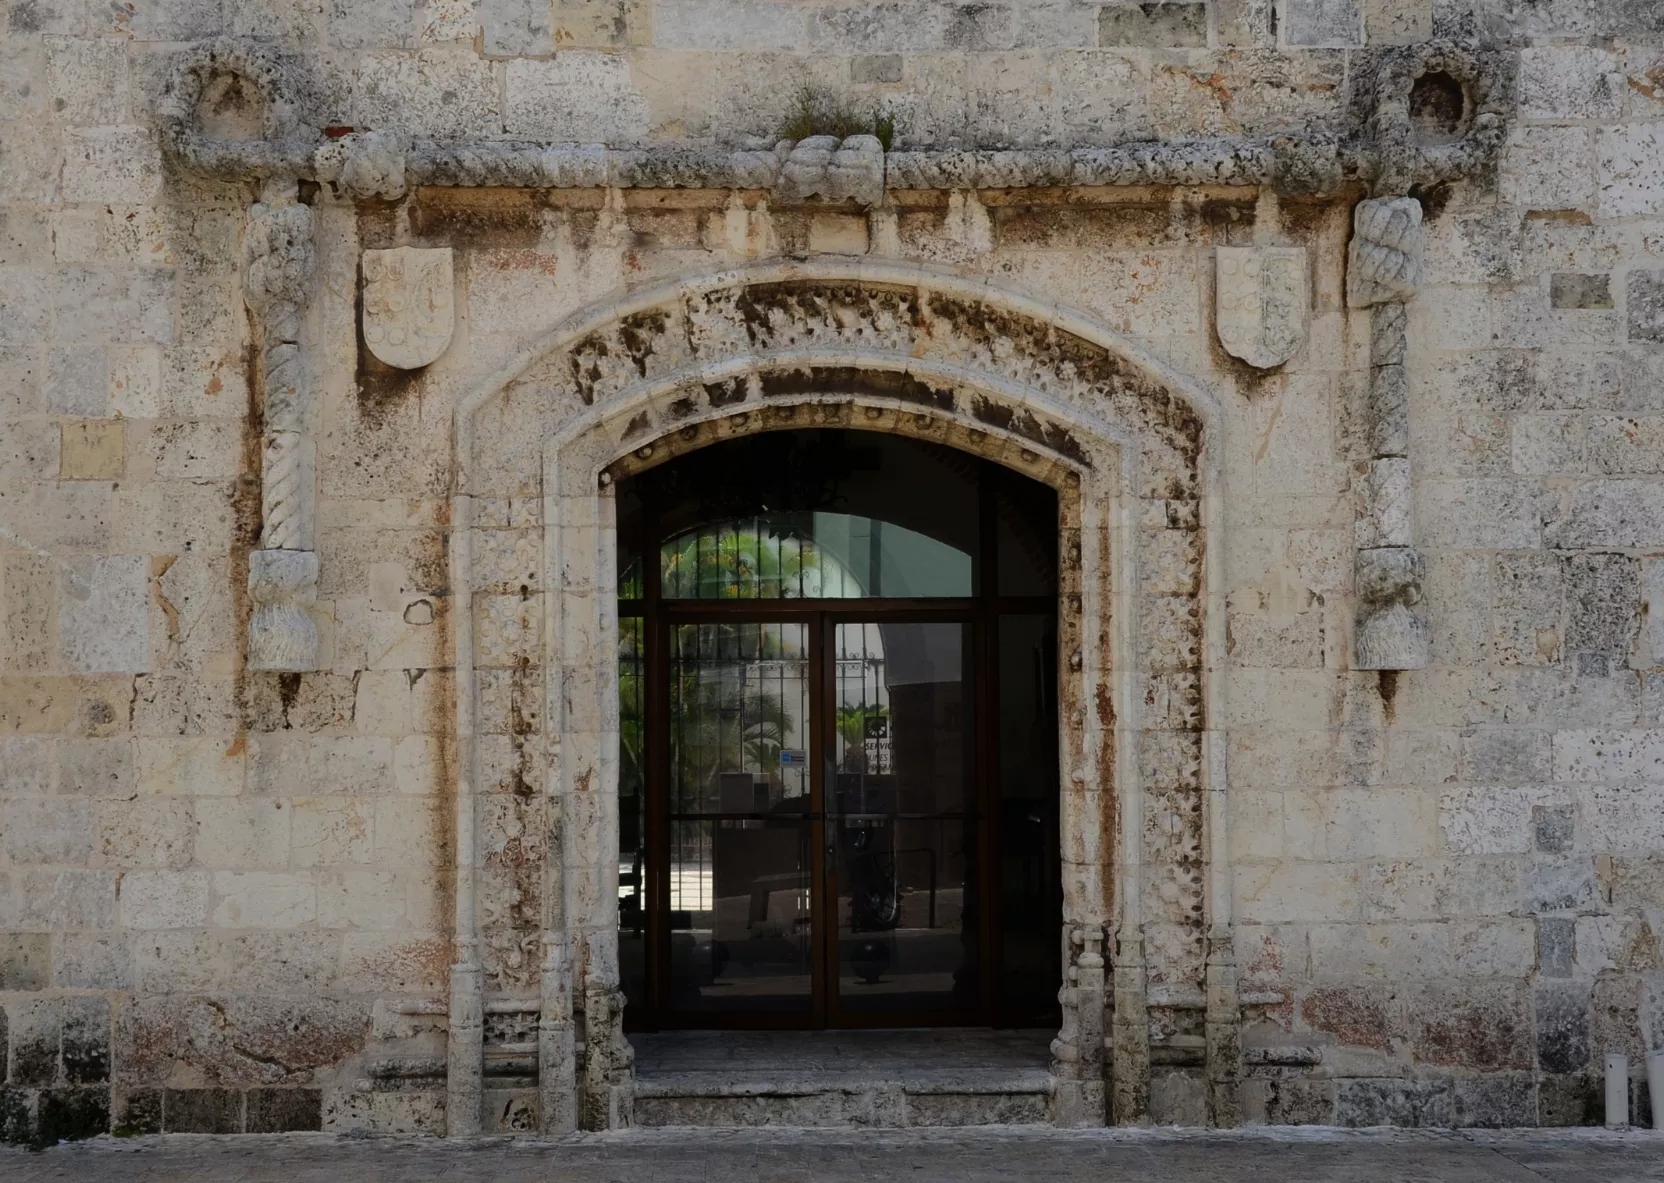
(327, 331)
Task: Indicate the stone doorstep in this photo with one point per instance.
(851, 1098)
(946, 1082)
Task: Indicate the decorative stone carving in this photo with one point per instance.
(409, 310)
(838, 170)
(695, 359)
(373, 166)
(1384, 260)
(1383, 269)
(281, 635)
(1263, 303)
(1377, 147)
(283, 576)
(1390, 635)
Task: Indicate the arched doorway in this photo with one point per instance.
(838, 785)
(1132, 452)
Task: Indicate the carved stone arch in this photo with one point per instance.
(1132, 449)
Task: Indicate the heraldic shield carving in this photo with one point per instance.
(1263, 303)
(409, 309)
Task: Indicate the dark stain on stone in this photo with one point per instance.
(85, 1040)
(202, 1111)
(1022, 422)
(35, 1056)
(68, 1115)
(820, 302)
(587, 371)
(284, 1111)
(637, 426)
(681, 408)
(138, 1111)
(1224, 216)
(288, 690)
(726, 393)
(850, 380)
(639, 332)
(1433, 198)
(478, 218)
(25, 17)
(1387, 687)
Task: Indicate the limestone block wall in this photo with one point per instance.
(228, 895)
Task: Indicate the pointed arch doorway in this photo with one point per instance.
(838, 781)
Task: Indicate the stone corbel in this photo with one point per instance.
(1383, 270)
(283, 573)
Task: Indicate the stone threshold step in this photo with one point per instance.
(787, 1084)
(846, 1100)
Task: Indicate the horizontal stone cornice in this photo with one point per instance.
(1385, 149)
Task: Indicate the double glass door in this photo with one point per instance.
(838, 738)
(823, 837)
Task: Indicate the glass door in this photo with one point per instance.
(740, 831)
(902, 836)
(837, 737)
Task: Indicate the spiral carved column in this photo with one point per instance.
(1383, 271)
(283, 573)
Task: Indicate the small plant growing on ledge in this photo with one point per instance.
(821, 114)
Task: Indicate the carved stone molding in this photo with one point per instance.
(1383, 268)
(1383, 147)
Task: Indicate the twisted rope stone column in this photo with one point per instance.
(283, 574)
(1383, 271)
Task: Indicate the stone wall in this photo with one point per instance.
(1430, 893)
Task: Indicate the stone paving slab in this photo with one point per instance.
(994, 1155)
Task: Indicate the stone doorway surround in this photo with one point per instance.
(886, 347)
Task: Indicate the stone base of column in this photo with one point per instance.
(281, 633)
(465, 1052)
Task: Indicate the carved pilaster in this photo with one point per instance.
(465, 1050)
(609, 1060)
(557, 1041)
(1129, 1096)
(1078, 1050)
(1383, 270)
(1224, 1033)
(283, 574)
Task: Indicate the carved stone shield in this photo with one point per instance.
(1263, 301)
(409, 308)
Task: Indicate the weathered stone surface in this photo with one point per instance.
(1366, 1102)
(272, 605)
(1167, 23)
(1562, 1021)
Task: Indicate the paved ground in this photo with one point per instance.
(916, 1156)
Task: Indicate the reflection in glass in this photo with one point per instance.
(900, 818)
(799, 556)
(632, 811)
(739, 826)
(1030, 882)
(1025, 535)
